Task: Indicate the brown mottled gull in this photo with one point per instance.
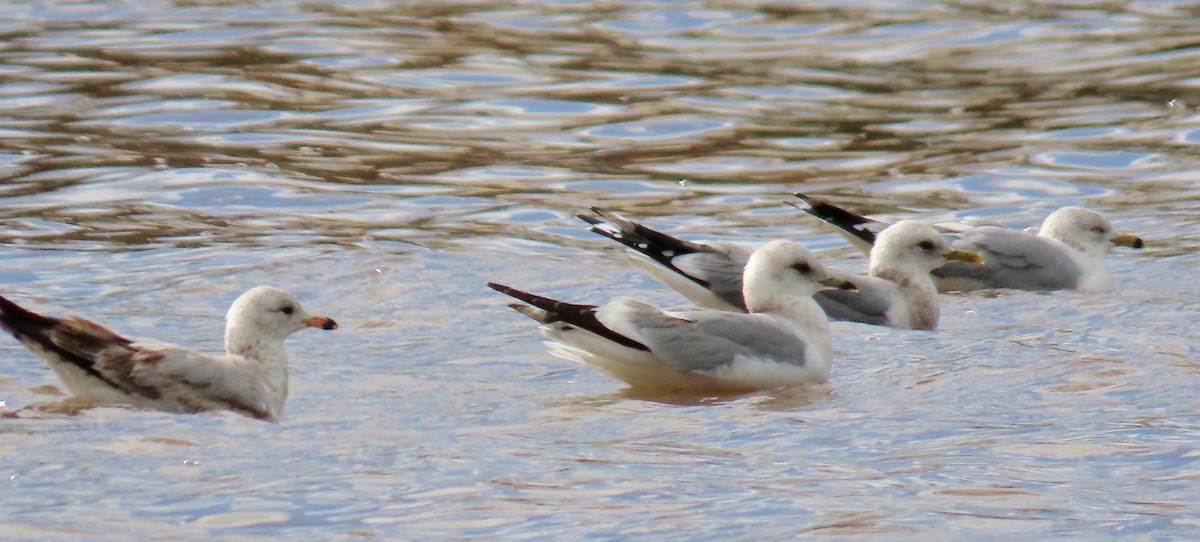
(99, 366)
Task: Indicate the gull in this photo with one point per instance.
(897, 291)
(1065, 253)
(783, 341)
(99, 366)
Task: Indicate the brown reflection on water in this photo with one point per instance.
(726, 95)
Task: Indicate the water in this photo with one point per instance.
(383, 161)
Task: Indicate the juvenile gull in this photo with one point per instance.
(783, 341)
(99, 366)
(898, 291)
(1066, 253)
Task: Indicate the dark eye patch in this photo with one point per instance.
(803, 268)
(288, 310)
(926, 245)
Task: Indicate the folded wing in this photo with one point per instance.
(704, 341)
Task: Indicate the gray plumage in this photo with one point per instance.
(784, 341)
(1066, 253)
(721, 269)
(1014, 259)
(699, 340)
(897, 293)
(868, 305)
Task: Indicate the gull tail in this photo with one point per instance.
(550, 311)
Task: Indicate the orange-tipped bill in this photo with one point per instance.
(321, 322)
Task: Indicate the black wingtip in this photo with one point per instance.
(656, 245)
(588, 218)
(837, 216)
(501, 288)
(535, 313)
(546, 310)
(538, 301)
(816, 207)
(598, 226)
(543, 309)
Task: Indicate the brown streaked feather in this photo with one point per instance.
(32, 328)
(110, 355)
(141, 370)
(120, 362)
(91, 347)
(85, 332)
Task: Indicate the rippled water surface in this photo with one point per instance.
(383, 160)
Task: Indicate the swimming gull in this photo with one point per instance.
(783, 341)
(1065, 253)
(897, 292)
(99, 366)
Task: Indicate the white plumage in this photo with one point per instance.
(784, 341)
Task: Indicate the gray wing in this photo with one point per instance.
(1013, 259)
(721, 269)
(707, 340)
(869, 305)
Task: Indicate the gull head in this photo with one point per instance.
(915, 247)
(784, 269)
(1086, 230)
(272, 314)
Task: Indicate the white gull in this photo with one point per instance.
(783, 341)
(897, 291)
(1066, 253)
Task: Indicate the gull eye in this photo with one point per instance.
(803, 268)
(288, 310)
(1097, 229)
(926, 245)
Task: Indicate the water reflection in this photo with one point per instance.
(384, 160)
